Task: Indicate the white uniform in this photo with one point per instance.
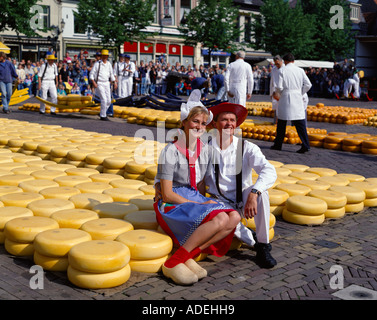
(253, 158)
(48, 85)
(356, 86)
(239, 81)
(103, 73)
(118, 68)
(293, 84)
(128, 78)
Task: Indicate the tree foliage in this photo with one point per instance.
(303, 30)
(16, 15)
(213, 24)
(115, 21)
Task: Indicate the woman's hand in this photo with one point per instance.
(209, 202)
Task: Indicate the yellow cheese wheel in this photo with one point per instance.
(372, 202)
(354, 207)
(123, 194)
(58, 242)
(99, 281)
(295, 167)
(59, 166)
(106, 228)
(50, 263)
(9, 213)
(46, 207)
(115, 210)
(93, 187)
(250, 223)
(372, 180)
(116, 162)
(73, 218)
(335, 213)
(353, 195)
(356, 149)
(286, 179)
(304, 175)
(369, 188)
(23, 170)
(134, 176)
(11, 165)
(283, 171)
(351, 177)
(9, 189)
(146, 244)
(293, 189)
(86, 172)
(20, 199)
(143, 219)
(332, 146)
(314, 184)
(148, 266)
(37, 185)
(99, 256)
(47, 174)
(105, 177)
(89, 200)
(24, 229)
(61, 151)
(322, 171)
(334, 180)
(18, 249)
(136, 168)
(302, 219)
(14, 179)
(46, 147)
(143, 202)
(151, 172)
(39, 163)
(78, 155)
(127, 183)
(370, 144)
(276, 164)
(71, 181)
(63, 193)
(306, 205)
(148, 190)
(333, 199)
(96, 158)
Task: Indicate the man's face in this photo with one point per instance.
(226, 123)
(278, 63)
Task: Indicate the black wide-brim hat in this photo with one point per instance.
(239, 110)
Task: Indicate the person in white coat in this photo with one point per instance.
(293, 84)
(239, 80)
(48, 83)
(118, 71)
(222, 180)
(101, 75)
(278, 61)
(128, 75)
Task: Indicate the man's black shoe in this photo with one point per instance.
(273, 147)
(104, 118)
(53, 113)
(263, 257)
(302, 150)
(6, 111)
(41, 112)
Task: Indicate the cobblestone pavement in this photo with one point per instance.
(305, 255)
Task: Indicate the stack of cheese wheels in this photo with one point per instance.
(116, 210)
(355, 197)
(335, 180)
(9, 213)
(99, 264)
(277, 201)
(51, 247)
(336, 202)
(369, 146)
(20, 233)
(149, 249)
(135, 170)
(250, 223)
(73, 218)
(116, 164)
(370, 189)
(106, 228)
(106, 177)
(304, 210)
(150, 174)
(142, 219)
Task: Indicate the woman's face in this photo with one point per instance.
(195, 126)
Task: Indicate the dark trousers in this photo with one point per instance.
(300, 126)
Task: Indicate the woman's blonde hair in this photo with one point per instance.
(194, 112)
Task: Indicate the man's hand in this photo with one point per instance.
(250, 209)
(230, 94)
(115, 85)
(248, 96)
(39, 85)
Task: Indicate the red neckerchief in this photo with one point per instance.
(191, 160)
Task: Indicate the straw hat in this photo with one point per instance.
(239, 110)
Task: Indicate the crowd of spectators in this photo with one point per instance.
(152, 77)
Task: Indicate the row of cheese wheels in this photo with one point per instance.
(371, 121)
(360, 142)
(127, 156)
(308, 195)
(36, 106)
(318, 113)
